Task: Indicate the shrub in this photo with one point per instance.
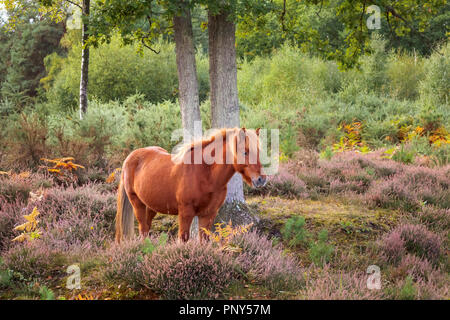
(410, 189)
(35, 260)
(294, 231)
(338, 285)
(415, 267)
(393, 246)
(284, 184)
(12, 189)
(10, 216)
(414, 239)
(436, 85)
(435, 218)
(404, 155)
(188, 271)
(320, 251)
(404, 73)
(124, 262)
(391, 194)
(26, 140)
(117, 71)
(374, 65)
(74, 217)
(89, 141)
(267, 264)
(407, 290)
(150, 125)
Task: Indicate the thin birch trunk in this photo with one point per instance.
(84, 61)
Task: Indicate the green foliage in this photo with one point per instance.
(320, 252)
(327, 153)
(404, 155)
(22, 54)
(117, 72)
(149, 247)
(432, 33)
(6, 277)
(435, 87)
(294, 231)
(408, 290)
(404, 72)
(46, 293)
(290, 91)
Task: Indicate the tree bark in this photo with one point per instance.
(225, 105)
(84, 60)
(187, 73)
(187, 83)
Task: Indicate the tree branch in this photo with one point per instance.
(148, 47)
(283, 13)
(320, 9)
(362, 16)
(75, 4)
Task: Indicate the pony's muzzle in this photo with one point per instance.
(259, 182)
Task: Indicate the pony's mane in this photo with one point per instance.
(186, 148)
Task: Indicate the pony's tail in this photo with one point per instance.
(124, 216)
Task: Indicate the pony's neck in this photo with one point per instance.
(222, 173)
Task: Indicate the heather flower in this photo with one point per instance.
(189, 271)
(266, 263)
(81, 217)
(327, 284)
(10, 216)
(284, 184)
(415, 267)
(393, 246)
(415, 239)
(124, 262)
(435, 218)
(35, 260)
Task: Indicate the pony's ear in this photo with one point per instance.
(257, 131)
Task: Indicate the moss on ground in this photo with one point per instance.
(347, 224)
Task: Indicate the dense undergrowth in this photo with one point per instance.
(364, 180)
(396, 101)
(296, 251)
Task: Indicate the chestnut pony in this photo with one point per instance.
(155, 181)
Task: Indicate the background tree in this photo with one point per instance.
(22, 53)
(84, 79)
(338, 30)
(58, 11)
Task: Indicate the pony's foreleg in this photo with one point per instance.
(205, 222)
(185, 216)
(140, 212)
(206, 219)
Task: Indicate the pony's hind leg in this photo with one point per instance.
(150, 215)
(140, 212)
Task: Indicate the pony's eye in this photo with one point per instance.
(246, 153)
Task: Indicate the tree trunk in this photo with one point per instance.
(225, 105)
(187, 73)
(84, 60)
(187, 84)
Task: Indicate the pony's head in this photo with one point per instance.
(246, 157)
